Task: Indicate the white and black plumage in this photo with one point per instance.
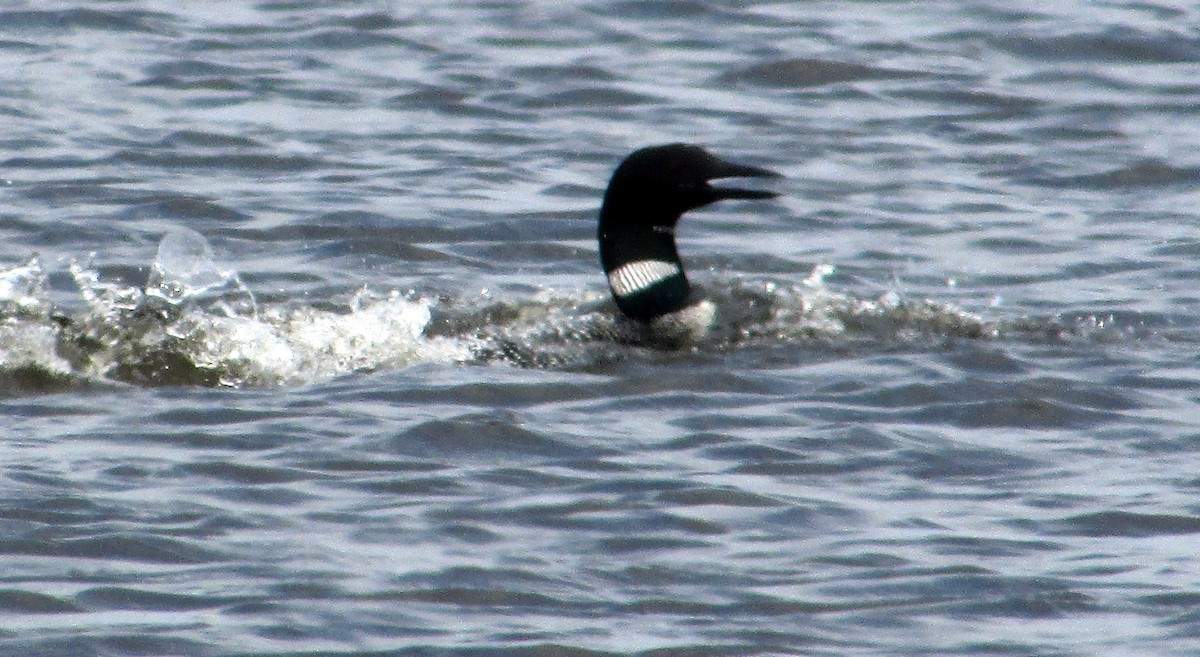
(648, 193)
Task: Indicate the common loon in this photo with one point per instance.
(646, 196)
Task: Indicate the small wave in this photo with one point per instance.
(801, 72)
(1117, 44)
(1125, 523)
(1149, 173)
(257, 163)
(120, 21)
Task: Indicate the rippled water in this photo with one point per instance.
(304, 348)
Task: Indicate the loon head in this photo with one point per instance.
(647, 194)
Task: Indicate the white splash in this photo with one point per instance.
(27, 336)
(305, 345)
(21, 289)
(195, 322)
(185, 271)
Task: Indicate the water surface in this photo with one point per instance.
(304, 347)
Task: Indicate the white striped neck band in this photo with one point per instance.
(633, 277)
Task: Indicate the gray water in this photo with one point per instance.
(304, 348)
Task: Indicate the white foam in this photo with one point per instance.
(21, 288)
(27, 337)
(30, 344)
(304, 345)
(813, 310)
(197, 311)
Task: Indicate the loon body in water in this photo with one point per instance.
(648, 193)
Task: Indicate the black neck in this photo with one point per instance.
(625, 242)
